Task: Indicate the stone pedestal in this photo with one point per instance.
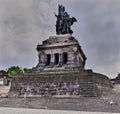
(60, 73)
(64, 51)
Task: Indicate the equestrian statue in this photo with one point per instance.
(64, 21)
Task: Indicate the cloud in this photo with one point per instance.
(25, 23)
(102, 36)
(22, 25)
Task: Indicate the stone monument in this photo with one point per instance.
(60, 71)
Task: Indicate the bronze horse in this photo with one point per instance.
(63, 24)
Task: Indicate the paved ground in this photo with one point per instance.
(109, 102)
(41, 111)
(81, 104)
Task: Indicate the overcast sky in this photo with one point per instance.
(25, 23)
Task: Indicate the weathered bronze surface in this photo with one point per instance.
(64, 21)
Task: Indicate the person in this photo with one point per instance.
(111, 102)
(58, 24)
(66, 20)
(61, 10)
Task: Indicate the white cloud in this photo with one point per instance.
(24, 23)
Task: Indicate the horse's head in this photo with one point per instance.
(73, 19)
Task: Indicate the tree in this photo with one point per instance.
(118, 76)
(13, 70)
(26, 70)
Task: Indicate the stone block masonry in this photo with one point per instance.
(60, 51)
(60, 72)
(75, 84)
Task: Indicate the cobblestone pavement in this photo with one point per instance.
(41, 111)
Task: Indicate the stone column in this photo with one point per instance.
(52, 58)
(60, 59)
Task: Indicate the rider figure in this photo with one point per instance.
(66, 18)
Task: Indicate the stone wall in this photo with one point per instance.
(75, 84)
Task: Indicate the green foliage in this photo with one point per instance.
(118, 76)
(26, 70)
(14, 70)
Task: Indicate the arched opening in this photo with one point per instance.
(65, 58)
(56, 58)
(48, 59)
